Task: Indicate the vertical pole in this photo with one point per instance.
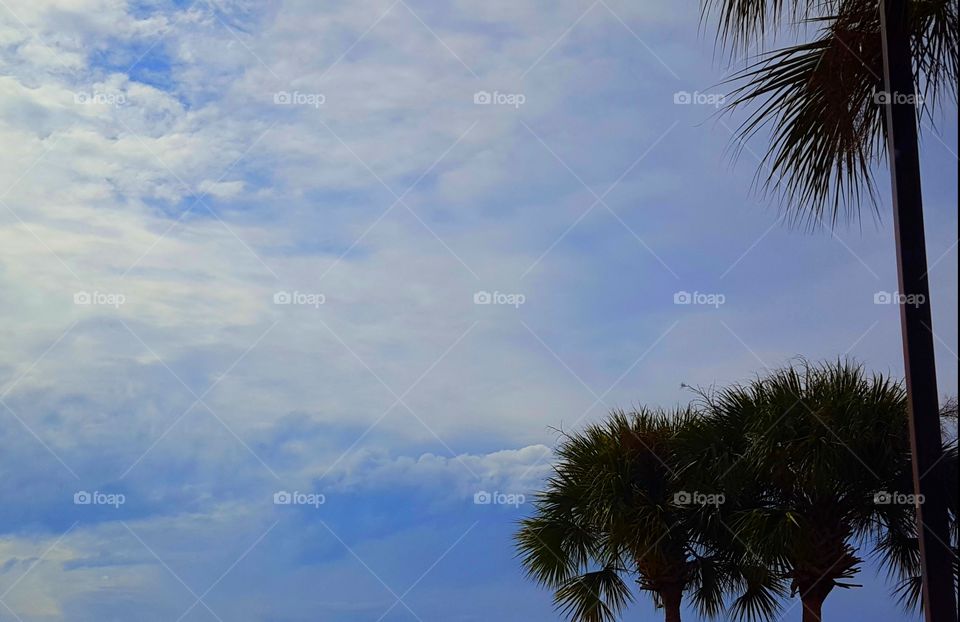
(915, 320)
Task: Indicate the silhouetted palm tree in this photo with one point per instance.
(815, 460)
(616, 509)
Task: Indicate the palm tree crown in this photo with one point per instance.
(816, 459)
(823, 99)
(614, 510)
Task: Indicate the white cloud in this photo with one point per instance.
(519, 471)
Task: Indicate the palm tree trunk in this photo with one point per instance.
(812, 607)
(671, 604)
(918, 351)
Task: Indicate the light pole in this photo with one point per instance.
(915, 320)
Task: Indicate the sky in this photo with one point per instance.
(298, 296)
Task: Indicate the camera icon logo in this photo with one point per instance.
(82, 497)
(682, 498)
(883, 498)
(82, 298)
(482, 298)
(482, 97)
(882, 298)
(682, 97)
(482, 497)
(282, 97)
(882, 98)
(282, 497)
(282, 298)
(682, 298)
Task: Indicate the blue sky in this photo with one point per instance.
(173, 171)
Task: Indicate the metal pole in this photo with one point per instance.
(919, 364)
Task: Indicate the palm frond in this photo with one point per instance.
(817, 99)
(742, 22)
(822, 101)
(759, 601)
(710, 577)
(597, 596)
(552, 549)
(909, 593)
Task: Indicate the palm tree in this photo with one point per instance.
(614, 510)
(823, 99)
(836, 104)
(816, 459)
